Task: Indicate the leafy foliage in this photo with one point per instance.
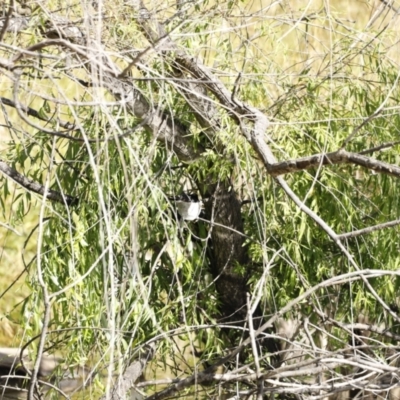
(119, 267)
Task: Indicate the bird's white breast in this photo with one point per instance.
(188, 211)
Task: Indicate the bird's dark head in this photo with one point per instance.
(188, 205)
(186, 197)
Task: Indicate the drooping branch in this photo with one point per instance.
(166, 128)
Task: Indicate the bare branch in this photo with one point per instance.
(35, 187)
(380, 147)
(337, 157)
(389, 4)
(369, 229)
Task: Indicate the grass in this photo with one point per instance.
(14, 249)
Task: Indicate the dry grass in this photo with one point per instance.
(13, 250)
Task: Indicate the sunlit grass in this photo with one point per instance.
(14, 249)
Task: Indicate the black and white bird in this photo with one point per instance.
(188, 205)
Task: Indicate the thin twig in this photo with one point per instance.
(369, 229)
(46, 298)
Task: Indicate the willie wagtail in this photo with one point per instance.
(188, 205)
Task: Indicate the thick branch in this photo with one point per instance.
(36, 187)
(336, 157)
(165, 128)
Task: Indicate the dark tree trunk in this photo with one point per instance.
(228, 252)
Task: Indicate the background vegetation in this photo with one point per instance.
(283, 117)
